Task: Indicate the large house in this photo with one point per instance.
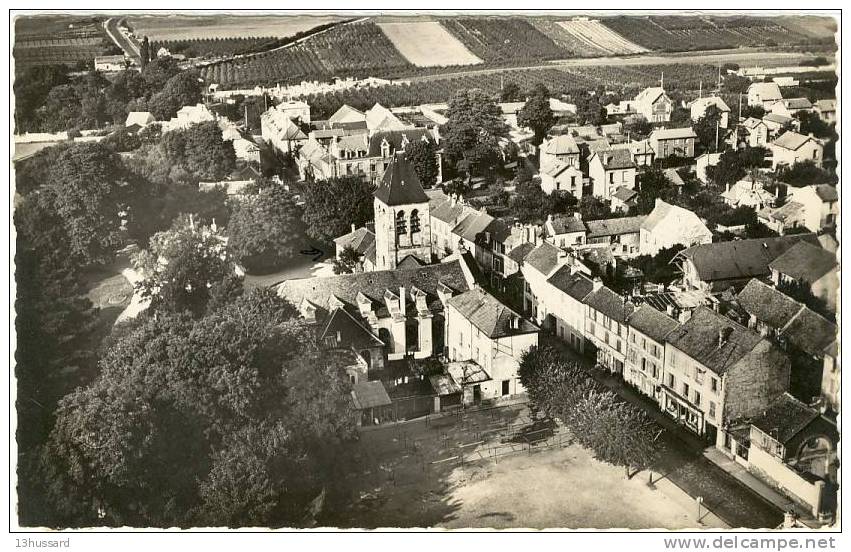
(610, 170)
(654, 105)
(714, 267)
(562, 149)
(489, 338)
(565, 230)
(645, 353)
(563, 177)
(718, 371)
(673, 142)
(749, 192)
(699, 106)
(621, 236)
(791, 148)
(606, 317)
(756, 132)
(279, 130)
(826, 110)
(669, 225)
(813, 207)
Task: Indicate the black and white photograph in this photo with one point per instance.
(423, 270)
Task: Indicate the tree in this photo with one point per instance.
(347, 262)
(86, 192)
(733, 165)
(263, 232)
(201, 151)
(473, 130)
(231, 419)
(423, 155)
(183, 266)
(332, 206)
(510, 92)
(811, 123)
(32, 86)
(537, 115)
(805, 173)
(708, 129)
(594, 208)
(182, 89)
(158, 72)
(654, 185)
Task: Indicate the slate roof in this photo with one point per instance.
(606, 301)
(785, 418)
(625, 194)
(826, 192)
(409, 261)
(352, 142)
(810, 332)
(804, 261)
(698, 338)
(563, 144)
(576, 285)
(767, 304)
(791, 140)
(556, 169)
(798, 103)
(490, 316)
(352, 332)
(777, 118)
(615, 226)
(370, 394)
(360, 240)
(394, 139)
(740, 258)
(445, 210)
(563, 224)
(400, 184)
(543, 258)
(472, 225)
(672, 133)
(346, 287)
(652, 323)
(614, 159)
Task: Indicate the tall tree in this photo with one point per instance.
(708, 129)
(537, 115)
(474, 129)
(264, 229)
(332, 206)
(182, 89)
(201, 151)
(510, 92)
(423, 155)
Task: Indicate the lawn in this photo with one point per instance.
(428, 44)
(411, 475)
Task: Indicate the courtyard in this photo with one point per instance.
(497, 468)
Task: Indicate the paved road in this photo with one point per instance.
(131, 49)
(743, 56)
(684, 465)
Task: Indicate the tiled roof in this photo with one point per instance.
(370, 394)
(519, 253)
(563, 144)
(791, 140)
(614, 226)
(490, 316)
(699, 339)
(672, 133)
(446, 211)
(352, 332)
(751, 123)
(576, 285)
(563, 224)
(767, 304)
(798, 103)
(472, 225)
(810, 332)
(409, 261)
(785, 418)
(400, 185)
(360, 240)
(344, 112)
(625, 194)
(606, 301)
(652, 323)
(826, 105)
(777, 118)
(766, 90)
(674, 177)
(395, 138)
(614, 159)
(373, 285)
(544, 258)
(650, 95)
(704, 103)
(740, 258)
(804, 261)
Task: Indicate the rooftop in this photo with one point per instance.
(672, 133)
(615, 226)
(400, 184)
(543, 258)
(563, 144)
(609, 303)
(577, 285)
(767, 304)
(653, 323)
(786, 417)
(564, 224)
(804, 261)
(810, 332)
(791, 140)
(370, 394)
(489, 315)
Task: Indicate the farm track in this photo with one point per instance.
(125, 43)
(708, 57)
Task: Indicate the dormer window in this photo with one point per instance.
(385, 148)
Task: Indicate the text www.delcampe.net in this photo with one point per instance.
(751, 543)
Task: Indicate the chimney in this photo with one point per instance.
(402, 301)
(670, 310)
(596, 283)
(577, 215)
(728, 186)
(658, 202)
(353, 227)
(724, 335)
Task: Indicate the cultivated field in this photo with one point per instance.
(60, 39)
(572, 45)
(428, 44)
(595, 34)
(185, 27)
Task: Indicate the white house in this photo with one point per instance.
(654, 105)
(826, 109)
(791, 148)
(565, 230)
(279, 130)
(295, 110)
(750, 192)
(187, 116)
(562, 148)
(137, 120)
(756, 131)
(764, 94)
(790, 106)
(108, 64)
(703, 162)
(668, 225)
(812, 207)
(483, 331)
(699, 106)
(560, 176)
(610, 170)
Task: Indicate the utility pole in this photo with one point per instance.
(717, 128)
(700, 90)
(740, 106)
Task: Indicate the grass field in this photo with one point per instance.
(185, 27)
(428, 44)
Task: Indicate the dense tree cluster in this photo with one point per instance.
(473, 132)
(332, 206)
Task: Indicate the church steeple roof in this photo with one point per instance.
(400, 184)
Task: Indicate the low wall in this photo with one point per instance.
(780, 476)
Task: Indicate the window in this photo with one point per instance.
(672, 359)
(714, 385)
(698, 374)
(697, 398)
(685, 390)
(671, 381)
(611, 178)
(505, 387)
(415, 221)
(711, 409)
(401, 224)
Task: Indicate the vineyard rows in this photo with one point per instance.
(68, 45)
(573, 46)
(215, 47)
(594, 33)
(504, 39)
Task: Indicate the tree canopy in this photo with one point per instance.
(537, 115)
(473, 130)
(201, 151)
(182, 89)
(423, 156)
(332, 206)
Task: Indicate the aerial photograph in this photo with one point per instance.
(424, 271)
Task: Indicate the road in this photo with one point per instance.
(742, 56)
(128, 45)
